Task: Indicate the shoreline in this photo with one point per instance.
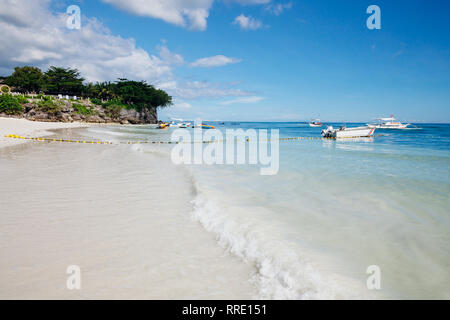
(27, 127)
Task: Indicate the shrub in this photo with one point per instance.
(81, 109)
(22, 100)
(115, 102)
(49, 106)
(10, 105)
(97, 101)
(113, 111)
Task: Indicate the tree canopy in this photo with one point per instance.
(26, 79)
(63, 81)
(141, 95)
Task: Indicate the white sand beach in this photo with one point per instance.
(121, 214)
(29, 128)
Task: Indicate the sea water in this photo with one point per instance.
(334, 209)
(311, 231)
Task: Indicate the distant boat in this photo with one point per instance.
(315, 123)
(163, 125)
(344, 132)
(174, 124)
(185, 125)
(388, 123)
(204, 126)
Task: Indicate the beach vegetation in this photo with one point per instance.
(63, 81)
(49, 106)
(22, 99)
(26, 79)
(103, 91)
(116, 102)
(123, 93)
(82, 109)
(10, 105)
(113, 110)
(140, 95)
(96, 101)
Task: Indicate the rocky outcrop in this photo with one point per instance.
(134, 117)
(65, 112)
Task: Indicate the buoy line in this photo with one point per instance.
(15, 136)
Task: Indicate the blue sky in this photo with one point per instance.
(305, 60)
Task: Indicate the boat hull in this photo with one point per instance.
(357, 132)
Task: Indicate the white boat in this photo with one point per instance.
(388, 123)
(173, 124)
(344, 132)
(315, 123)
(185, 125)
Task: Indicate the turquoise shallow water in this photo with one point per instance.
(333, 209)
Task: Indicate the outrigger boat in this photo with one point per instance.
(388, 123)
(315, 123)
(344, 132)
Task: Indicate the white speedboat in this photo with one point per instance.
(388, 123)
(344, 132)
(185, 125)
(173, 124)
(315, 123)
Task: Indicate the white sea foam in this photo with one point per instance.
(281, 273)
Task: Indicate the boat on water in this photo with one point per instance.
(315, 123)
(185, 125)
(388, 123)
(162, 125)
(205, 126)
(344, 132)
(174, 124)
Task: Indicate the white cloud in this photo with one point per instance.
(252, 99)
(215, 61)
(182, 105)
(278, 8)
(31, 34)
(201, 89)
(170, 58)
(192, 14)
(185, 13)
(247, 23)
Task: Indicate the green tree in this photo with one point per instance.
(141, 95)
(63, 81)
(26, 79)
(86, 90)
(104, 90)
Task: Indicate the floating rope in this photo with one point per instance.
(15, 136)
